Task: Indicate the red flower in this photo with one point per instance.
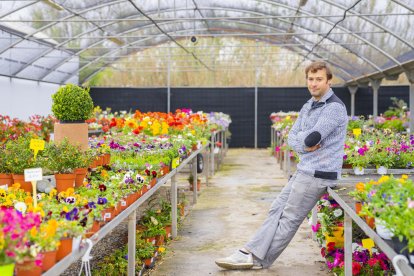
(331, 246)
(323, 252)
(147, 172)
(372, 262)
(356, 268)
(154, 174)
(102, 188)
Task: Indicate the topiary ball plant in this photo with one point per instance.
(72, 103)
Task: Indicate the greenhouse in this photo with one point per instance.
(294, 118)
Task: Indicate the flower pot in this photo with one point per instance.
(337, 236)
(165, 170)
(148, 262)
(26, 186)
(153, 182)
(382, 230)
(123, 204)
(370, 221)
(359, 171)
(358, 207)
(107, 158)
(167, 231)
(6, 179)
(94, 228)
(80, 176)
(198, 185)
(64, 249)
(108, 213)
(400, 247)
(159, 240)
(141, 228)
(28, 268)
(382, 170)
(49, 260)
(7, 270)
(75, 133)
(65, 181)
(151, 240)
(99, 160)
(346, 166)
(93, 165)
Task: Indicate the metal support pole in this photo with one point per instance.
(352, 91)
(212, 153)
(194, 172)
(207, 164)
(375, 87)
(169, 81)
(132, 229)
(410, 77)
(173, 207)
(348, 244)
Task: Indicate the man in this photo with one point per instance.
(318, 136)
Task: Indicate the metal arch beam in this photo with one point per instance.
(26, 37)
(20, 8)
(403, 5)
(102, 68)
(372, 22)
(97, 59)
(227, 9)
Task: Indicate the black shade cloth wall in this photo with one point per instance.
(239, 104)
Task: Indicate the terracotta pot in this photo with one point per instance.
(80, 176)
(108, 214)
(168, 231)
(107, 158)
(151, 240)
(93, 165)
(19, 178)
(75, 133)
(346, 166)
(165, 170)
(64, 249)
(99, 160)
(153, 182)
(65, 181)
(370, 221)
(49, 260)
(144, 189)
(95, 228)
(28, 268)
(6, 179)
(141, 228)
(159, 240)
(148, 262)
(358, 207)
(123, 204)
(198, 185)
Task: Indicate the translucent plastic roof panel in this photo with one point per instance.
(357, 37)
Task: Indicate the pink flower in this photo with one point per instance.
(10, 254)
(316, 227)
(410, 203)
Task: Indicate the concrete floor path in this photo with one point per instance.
(228, 213)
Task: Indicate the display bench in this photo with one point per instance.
(340, 194)
(130, 212)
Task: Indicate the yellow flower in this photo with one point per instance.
(404, 176)
(161, 249)
(28, 200)
(383, 178)
(11, 197)
(53, 192)
(33, 232)
(104, 174)
(360, 186)
(2, 193)
(16, 186)
(65, 209)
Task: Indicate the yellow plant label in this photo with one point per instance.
(175, 162)
(368, 244)
(356, 132)
(36, 145)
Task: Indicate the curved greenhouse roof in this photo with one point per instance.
(58, 41)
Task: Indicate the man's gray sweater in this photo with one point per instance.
(323, 122)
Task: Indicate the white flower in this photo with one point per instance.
(21, 207)
(337, 213)
(154, 221)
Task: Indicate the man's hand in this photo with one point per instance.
(313, 148)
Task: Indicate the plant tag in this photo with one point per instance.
(175, 162)
(107, 216)
(36, 145)
(368, 244)
(356, 132)
(123, 203)
(4, 187)
(33, 174)
(216, 150)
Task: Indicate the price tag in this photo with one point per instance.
(216, 150)
(123, 203)
(36, 145)
(33, 174)
(175, 162)
(4, 187)
(107, 216)
(356, 132)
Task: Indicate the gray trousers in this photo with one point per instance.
(286, 214)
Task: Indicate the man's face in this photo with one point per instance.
(318, 83)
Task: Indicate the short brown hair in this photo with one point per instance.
(319, 65)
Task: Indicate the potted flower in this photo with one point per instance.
(21, 157)
(72, 105)
(381, 158)
(191, 181)
(70, 232)
(84, 161)
(63, 159)
(5, 172)
(359, 159)
(145, 251)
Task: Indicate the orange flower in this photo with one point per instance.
(360, 186)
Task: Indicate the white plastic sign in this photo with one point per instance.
(33, 174)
